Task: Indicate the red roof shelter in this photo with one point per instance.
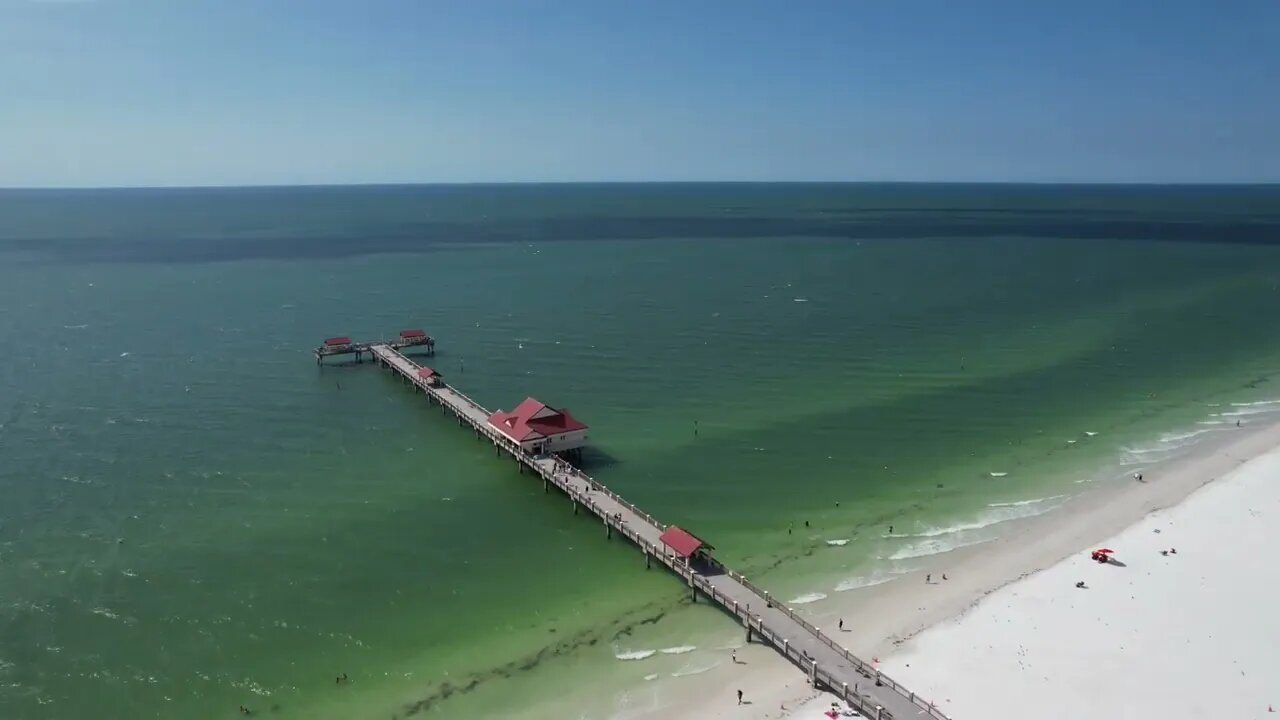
(684, 543)
(427, 373)
(532, 420)
(411, 334)
(337, 341)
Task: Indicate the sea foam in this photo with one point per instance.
(634, 654)
(936, 546)
(867, 581)
(694, 669)
(1022, 503)
(678, 650)
(1178, 437)
(807, 598)
(996, 515)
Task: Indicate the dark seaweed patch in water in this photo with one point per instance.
(585, 638)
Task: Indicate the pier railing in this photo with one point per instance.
(617, 498)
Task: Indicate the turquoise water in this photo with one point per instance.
(195, 517)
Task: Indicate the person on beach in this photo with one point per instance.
(842, 624)
(739, 697)
(928, 578)
(944, 576)
(734, 657)
(890, 529)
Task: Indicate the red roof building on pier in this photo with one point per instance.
(431, 377)
(682, 542)
(411, 338)
(538, 427)
(337, 342)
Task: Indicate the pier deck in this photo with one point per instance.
(825, 662)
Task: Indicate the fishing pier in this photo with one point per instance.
(345, 346)
(764, 618)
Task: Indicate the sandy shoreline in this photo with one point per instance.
(884, 621)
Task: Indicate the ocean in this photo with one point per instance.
(194, 517)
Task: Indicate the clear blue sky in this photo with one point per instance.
(167, 92)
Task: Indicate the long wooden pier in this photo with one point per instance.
(825, 662)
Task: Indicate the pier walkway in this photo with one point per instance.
(825, 662)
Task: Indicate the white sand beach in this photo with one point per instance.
(1159, 634)
(1008, 635)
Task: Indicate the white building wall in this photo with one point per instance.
(559, 442)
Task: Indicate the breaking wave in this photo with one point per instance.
(807, 598)
(935, 547)
(997, 514)
(1245, 412)
(867, 581)
(1022, 503)
(634, 654)
(1179, 437)
(694, 669)
(678, 650)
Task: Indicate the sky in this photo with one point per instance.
(98, 93)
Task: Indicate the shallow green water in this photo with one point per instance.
(196, 517)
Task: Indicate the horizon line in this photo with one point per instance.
(517, 183)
